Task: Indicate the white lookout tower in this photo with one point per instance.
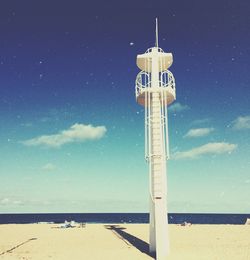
(155, 90)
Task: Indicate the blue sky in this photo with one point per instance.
(71, 133)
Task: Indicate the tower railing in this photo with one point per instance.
(143, 82)
(150, 49)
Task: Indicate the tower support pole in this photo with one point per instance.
(159, 242)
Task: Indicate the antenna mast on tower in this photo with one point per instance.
(156, 33)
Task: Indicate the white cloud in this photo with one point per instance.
(49, 167)
(27, 124)
(210, 148)
(10, 202)
(242, 122)
(178, 107)
(199, 132)
(4, 201)
(76, 133)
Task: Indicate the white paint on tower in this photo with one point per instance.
(155, 90)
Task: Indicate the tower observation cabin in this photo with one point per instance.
(155, 76)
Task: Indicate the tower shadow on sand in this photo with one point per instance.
(130, 239)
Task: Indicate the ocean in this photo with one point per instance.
(178, 218)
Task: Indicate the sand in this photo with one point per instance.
(122, 241)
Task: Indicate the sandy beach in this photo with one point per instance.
(122, 241)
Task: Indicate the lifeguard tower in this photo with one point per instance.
(155, 90)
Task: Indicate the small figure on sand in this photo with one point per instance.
(186, 224)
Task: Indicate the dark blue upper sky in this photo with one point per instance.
(53, 50)
(74, 62)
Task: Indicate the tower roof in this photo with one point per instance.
(144, 61)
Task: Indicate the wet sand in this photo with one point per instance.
(122, 241)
